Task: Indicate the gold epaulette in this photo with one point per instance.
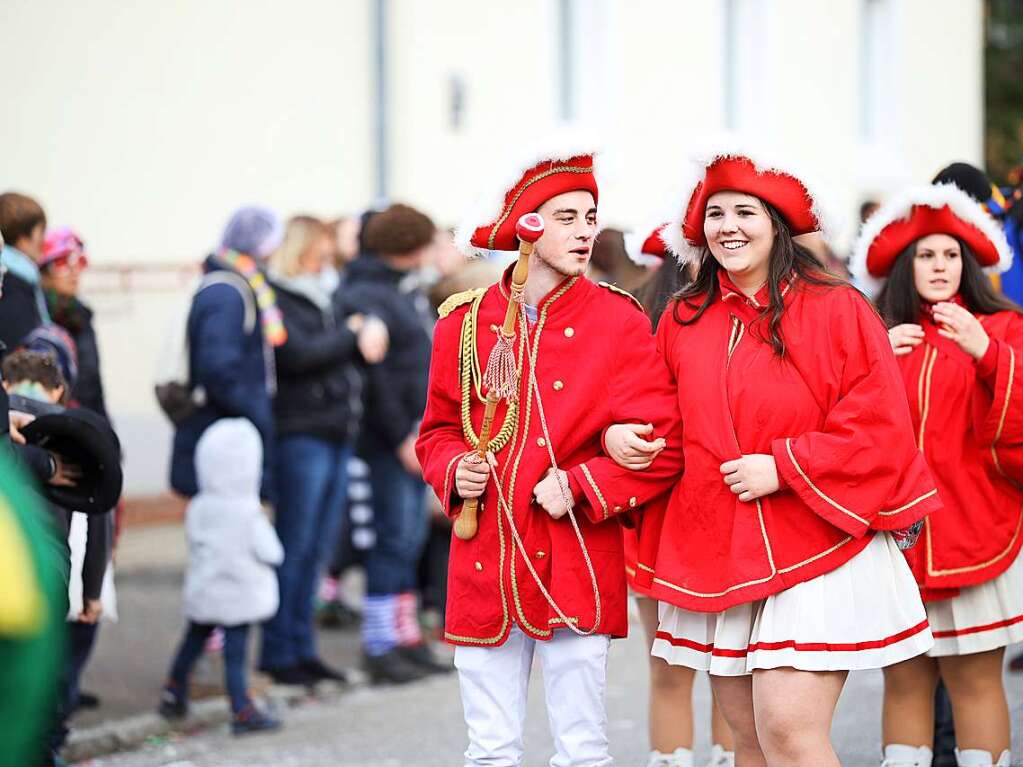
(452, 302)
(616, 289)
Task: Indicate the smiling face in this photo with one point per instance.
(937, 267)
(739, 234)
(570, 224)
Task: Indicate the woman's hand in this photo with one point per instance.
(625, 445)
(957, 324)
(905, 338)
(752, 476)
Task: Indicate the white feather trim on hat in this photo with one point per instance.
(764, 159)
(634, 244)
(935, 196)
(560, 144)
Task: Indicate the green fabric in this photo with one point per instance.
(30, 664)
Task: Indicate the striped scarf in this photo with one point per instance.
(269, 315)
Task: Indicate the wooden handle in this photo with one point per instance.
(467, 523)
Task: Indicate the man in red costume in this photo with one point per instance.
(544, 573)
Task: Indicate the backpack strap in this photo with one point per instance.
(226, 277)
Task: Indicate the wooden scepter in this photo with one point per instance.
(501, 377)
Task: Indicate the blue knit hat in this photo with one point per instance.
(253, 230)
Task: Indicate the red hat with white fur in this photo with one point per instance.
(645, 246)
(561, 163)
(917, 213)
(730, 166)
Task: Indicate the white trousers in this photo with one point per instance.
(495, 681)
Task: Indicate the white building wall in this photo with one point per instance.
(143, 124)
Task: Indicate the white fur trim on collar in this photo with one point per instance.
(935, 196)
(560, 144)
(764, 159)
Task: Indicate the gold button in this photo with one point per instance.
(541, 442)
(569, 332)
(479, 565)
(617, 509)
(632, 502)
(540, 555)
(558, 386)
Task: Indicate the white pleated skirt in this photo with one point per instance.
(981, 618)
(865, 614)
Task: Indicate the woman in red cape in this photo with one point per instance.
(773, 563)
(957, 342)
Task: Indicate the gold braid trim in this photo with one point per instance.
(469, 371)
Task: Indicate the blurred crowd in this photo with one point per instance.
(295, 378)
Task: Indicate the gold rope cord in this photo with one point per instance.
(469, 370)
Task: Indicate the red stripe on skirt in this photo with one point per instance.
(978, 629)
(794, 645)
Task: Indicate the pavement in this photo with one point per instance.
(419, 724)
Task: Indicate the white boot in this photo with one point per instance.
(721, 758)
(976, 757)
(680, 757)
(897, 755)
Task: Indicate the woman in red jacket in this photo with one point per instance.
(772, 562)
(957, 343)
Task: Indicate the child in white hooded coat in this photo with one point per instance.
(230, 581)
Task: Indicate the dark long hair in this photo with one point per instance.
(899, 302)
(787, 257)
(657, 292)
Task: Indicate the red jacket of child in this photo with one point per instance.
(832, 413)
(597, 365)
(969, 423)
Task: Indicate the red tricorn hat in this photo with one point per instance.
(919, 212)
(740, 170)
(561, 164)
(645, 246)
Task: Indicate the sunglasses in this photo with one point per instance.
(70, 261)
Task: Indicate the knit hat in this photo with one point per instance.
(253, 230)
(52, 339)
(558, 163)
(734, 165)
(919, 212)
(60, 243)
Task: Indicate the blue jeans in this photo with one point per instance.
(401, 523)
(235, 640)
(313, 483)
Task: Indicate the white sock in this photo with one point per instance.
(680, 757)
(898, 755)
(721, 758)
(976, 757)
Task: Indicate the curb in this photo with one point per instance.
(125, 734)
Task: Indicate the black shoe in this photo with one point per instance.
(88, 700)
(335, 615)
(422, 656)
(251, 719)
(294, 676)
(320, 671)
(173, 703)
(393, 668)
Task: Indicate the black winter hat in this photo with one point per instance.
(969, 178)
(86, 439)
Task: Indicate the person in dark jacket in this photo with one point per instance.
(61, 265)
(318, 409)
(231, 361)
(383, 282)
(22, 306)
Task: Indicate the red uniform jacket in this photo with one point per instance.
(597, 365)
(833, 414)
(968, 418)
